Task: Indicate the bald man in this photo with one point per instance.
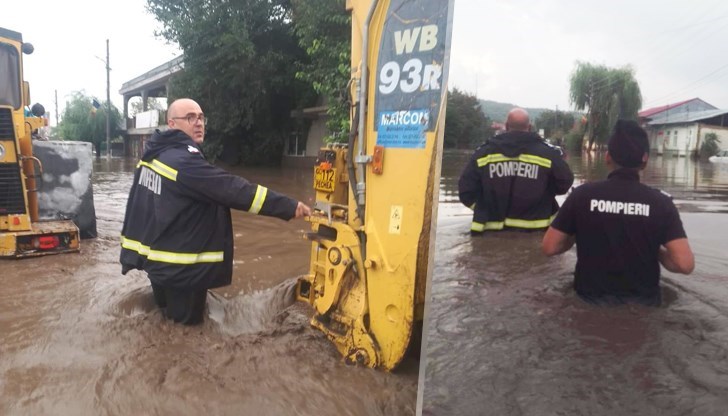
(177, 226)
(511, 181)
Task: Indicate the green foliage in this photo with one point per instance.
(574, 139)
(240, 65)
(135, 105)
(323, 28)
(82, 122)
(607, 94)
(466, 126)
(710, 145)
(554, 123)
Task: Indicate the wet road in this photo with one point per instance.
(78, 338)
(508, 336)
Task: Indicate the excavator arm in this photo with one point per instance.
(372, 231)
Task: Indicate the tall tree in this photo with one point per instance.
(466, 126)
(606, 94)
(240, 60)
(82, 121)
(555, 123)
(323, 28)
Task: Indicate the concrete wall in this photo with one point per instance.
(147, 119)
(315, 138)
(314, 142)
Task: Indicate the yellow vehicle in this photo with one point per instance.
(21, 233)
(376, 196)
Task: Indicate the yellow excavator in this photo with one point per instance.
(372, 230)
(22, 234)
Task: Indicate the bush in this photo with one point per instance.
(574, 139)
(710, 145)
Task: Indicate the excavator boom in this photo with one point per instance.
(376, 196)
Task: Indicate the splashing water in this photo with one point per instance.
(252, 312)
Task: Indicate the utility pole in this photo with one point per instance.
(108, 105)
(56, 102)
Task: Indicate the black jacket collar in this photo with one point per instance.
(625, 174)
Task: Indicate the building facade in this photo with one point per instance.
(679, 129)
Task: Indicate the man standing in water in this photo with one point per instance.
(623, 229)
(511, 180)
(177, 226)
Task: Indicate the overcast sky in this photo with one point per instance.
(516, 51)
(69, 37)
(523, 51)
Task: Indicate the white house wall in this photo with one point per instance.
(674, 139)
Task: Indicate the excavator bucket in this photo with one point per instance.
(376, 196)
(66, 191)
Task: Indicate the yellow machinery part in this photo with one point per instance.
(368, 275)
(21, 233)
(30, 243)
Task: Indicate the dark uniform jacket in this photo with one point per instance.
(620, 225)
(511, 181)
(177, 226)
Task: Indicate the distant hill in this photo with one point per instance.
(498, 111)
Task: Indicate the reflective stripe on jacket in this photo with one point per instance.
(177, 225)
(511, 182)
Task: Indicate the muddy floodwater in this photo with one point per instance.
(508, 336)
(78, 338)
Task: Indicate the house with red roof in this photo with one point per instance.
(678, 129)
(692, 105)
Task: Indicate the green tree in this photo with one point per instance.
(606, 94)
(574, 138)
(240, 65)
(323, 28)
(81, 121)
(556, 124)
(135, 106)
(466, 126)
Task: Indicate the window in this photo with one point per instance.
(9, 76)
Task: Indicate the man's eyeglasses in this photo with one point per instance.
(192, 118)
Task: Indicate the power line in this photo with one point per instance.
(696, 82)
(614, 78)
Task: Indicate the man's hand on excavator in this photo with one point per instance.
(302, 210)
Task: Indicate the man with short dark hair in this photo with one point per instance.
(623, 229)
(177, 225)
(512, 180)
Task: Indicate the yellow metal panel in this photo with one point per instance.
(11, 246)
(399, 247)
(7, 244)
(9, 156)
(20, 222)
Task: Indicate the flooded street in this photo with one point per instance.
(507, 335)
(78, 338)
